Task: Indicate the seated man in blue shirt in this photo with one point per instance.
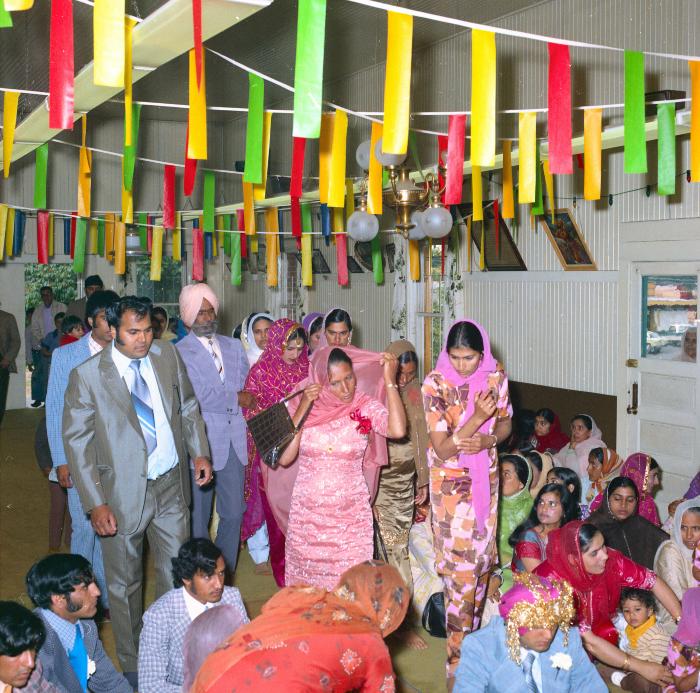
(63, 588)
(530, 648)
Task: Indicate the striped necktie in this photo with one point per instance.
(141, 397)
(530, 682)
(217, 361)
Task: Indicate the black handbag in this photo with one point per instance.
(434, 620)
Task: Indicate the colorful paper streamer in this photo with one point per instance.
(197, 251)
(157, 253)
(129, 165)
(110, 221)
(92, 237)
(272, 245)
(79, 246)
(477, 194)
(209, 200)
(101, 237)
(377, 260)
(483, 151)
(538, 205)
(197, 114)
(336, 181)
(549, 187)
(108, 44)
(297, 173)
(84, 174)
(9, 121)
(177, 238)
(325, 148)
(119, 247)
(18, 5)
(666, 159)
(414, 260)
(197, 37)
(190, 168)
(253, 172)
(40, 173)
(249, 209)
(61, 89)
(259, 189)
(18, 238)
(592, 152)
(169, 196)
(397, 82)
(306, 246)
(4, 212)
(527, 146)
(694, 68)
(236, 274)
(508, 211)
(635, 156)
(10, 232)
(5, 17)
(374, 185)
(129, 25)
(559, 109)
(42, 237)
(456, 133)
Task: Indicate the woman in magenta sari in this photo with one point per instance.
(281, 367)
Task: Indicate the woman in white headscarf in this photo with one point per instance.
(585, 435)
(254, 335)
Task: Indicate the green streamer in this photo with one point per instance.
(377, 266)
(41, 167)
(253, 172)
(5, 17)
(307, 225)
(143, 232)
(101, 236)
(79, 248)
(235, 259)
(209, 195)
(635, 135)
(227, 236)
(538, 206)
(308, 68)
(130, 151)
(666, 125)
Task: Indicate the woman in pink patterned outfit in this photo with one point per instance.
(330, 518)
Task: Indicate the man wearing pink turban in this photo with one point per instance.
(217, 367)
(529, 648)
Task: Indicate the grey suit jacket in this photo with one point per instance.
(219, 401)
(58, 671)
(104, 445)
(165, 624)
(10, 342)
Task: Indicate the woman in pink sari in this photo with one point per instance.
(330, 518)
(644, 471)
(282, 366)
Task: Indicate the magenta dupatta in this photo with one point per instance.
(637, 468)
(485, 376)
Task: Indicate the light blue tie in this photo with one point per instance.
(141, 397)
(78, 658)
(527, 670)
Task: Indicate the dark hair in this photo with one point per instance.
(99, 301)
(257, 320)
(522, 468)
(533, 457)
(316, 325)
(547, 414)
(408, 357)
(568, 476)
(585, 535)
(70, 322)
(653, 464)
(338, 356)
(195, 555)
(338, 315)
(465, 335)
(46, 288)
(57, 574)
(20, 630)
(159, 310)
(59, 316)
(237, 331)
(142, 306)
(620, 482)
(571, 511)
(587, 420)
(695, 510)
(299, 333)
(598, 454)
(521, 439)
(644, 597)
(93, 280)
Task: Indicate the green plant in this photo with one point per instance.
(60, 277)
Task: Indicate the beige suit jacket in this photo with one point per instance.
(10, 341)
(104, 445)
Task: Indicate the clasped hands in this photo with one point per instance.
(484, 409)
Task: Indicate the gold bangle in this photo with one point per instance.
(626, 663)
(392, 385)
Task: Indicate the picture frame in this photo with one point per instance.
(568, 242)
(318, 262)
(362, 252)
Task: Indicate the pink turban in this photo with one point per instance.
(191, 298)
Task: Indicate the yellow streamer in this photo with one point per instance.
(84, 174)
(306, 254)
(127, 206)
(527, 152)
(337, 220)
(3, 230)
(197, 119)
(477, 194)
(9, 231)
(508, 209)
(18, 5)
(325, 147)
(483, 151)
(414, 260)
(482, 250)
(120, 248)
(108, 47)
(177, 238)
(397, 82)
(592, 152)
(219, 222)
(549, 185)
(272, 248)
(259, 188)
(156, 253)
(349, 197)
(129, 25)
(110, 219)
(92, 237)
(50, 232)
(9, 121)
(694, 66)
(248, 209)
(374, 188)
(336, 182)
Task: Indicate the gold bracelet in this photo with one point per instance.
(392, 385)
(626, 663)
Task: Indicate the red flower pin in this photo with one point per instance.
(364, 424)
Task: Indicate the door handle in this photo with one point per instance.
(632, 408)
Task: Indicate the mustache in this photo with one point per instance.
(206, 329)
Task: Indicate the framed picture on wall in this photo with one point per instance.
(567, 241)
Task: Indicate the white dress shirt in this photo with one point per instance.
(164, 456)
(94, 347)
(217, 349)
(536, 666)
(195, 607)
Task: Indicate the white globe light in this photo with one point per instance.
(362, 226)
(417, 233)
(387, 159)
(437, 222)
(362, 154)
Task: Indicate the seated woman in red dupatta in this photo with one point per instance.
(282, 366)
(309, 640)
(330, 517)
(577, 553)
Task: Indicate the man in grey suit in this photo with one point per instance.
(10, 344)
(131, 424)
(217, 367)
(198, 576)
(63, 588)
(92, 283)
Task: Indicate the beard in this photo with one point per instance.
(205, 329)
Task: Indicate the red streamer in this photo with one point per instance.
(579, 161)
(190, 169)
(197, 255)
(197, 31)
(442, 147)
(240, 218)
(497, 226)
(341, 256)
(297, 166)
(559, 104)
(296, 220)
(42, 237)
(455, 159)
(73, 222)
(61, 92)
(169, 196)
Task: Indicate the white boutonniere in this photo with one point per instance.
(92, 668)
(561, 660)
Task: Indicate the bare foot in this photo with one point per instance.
(411, 639)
